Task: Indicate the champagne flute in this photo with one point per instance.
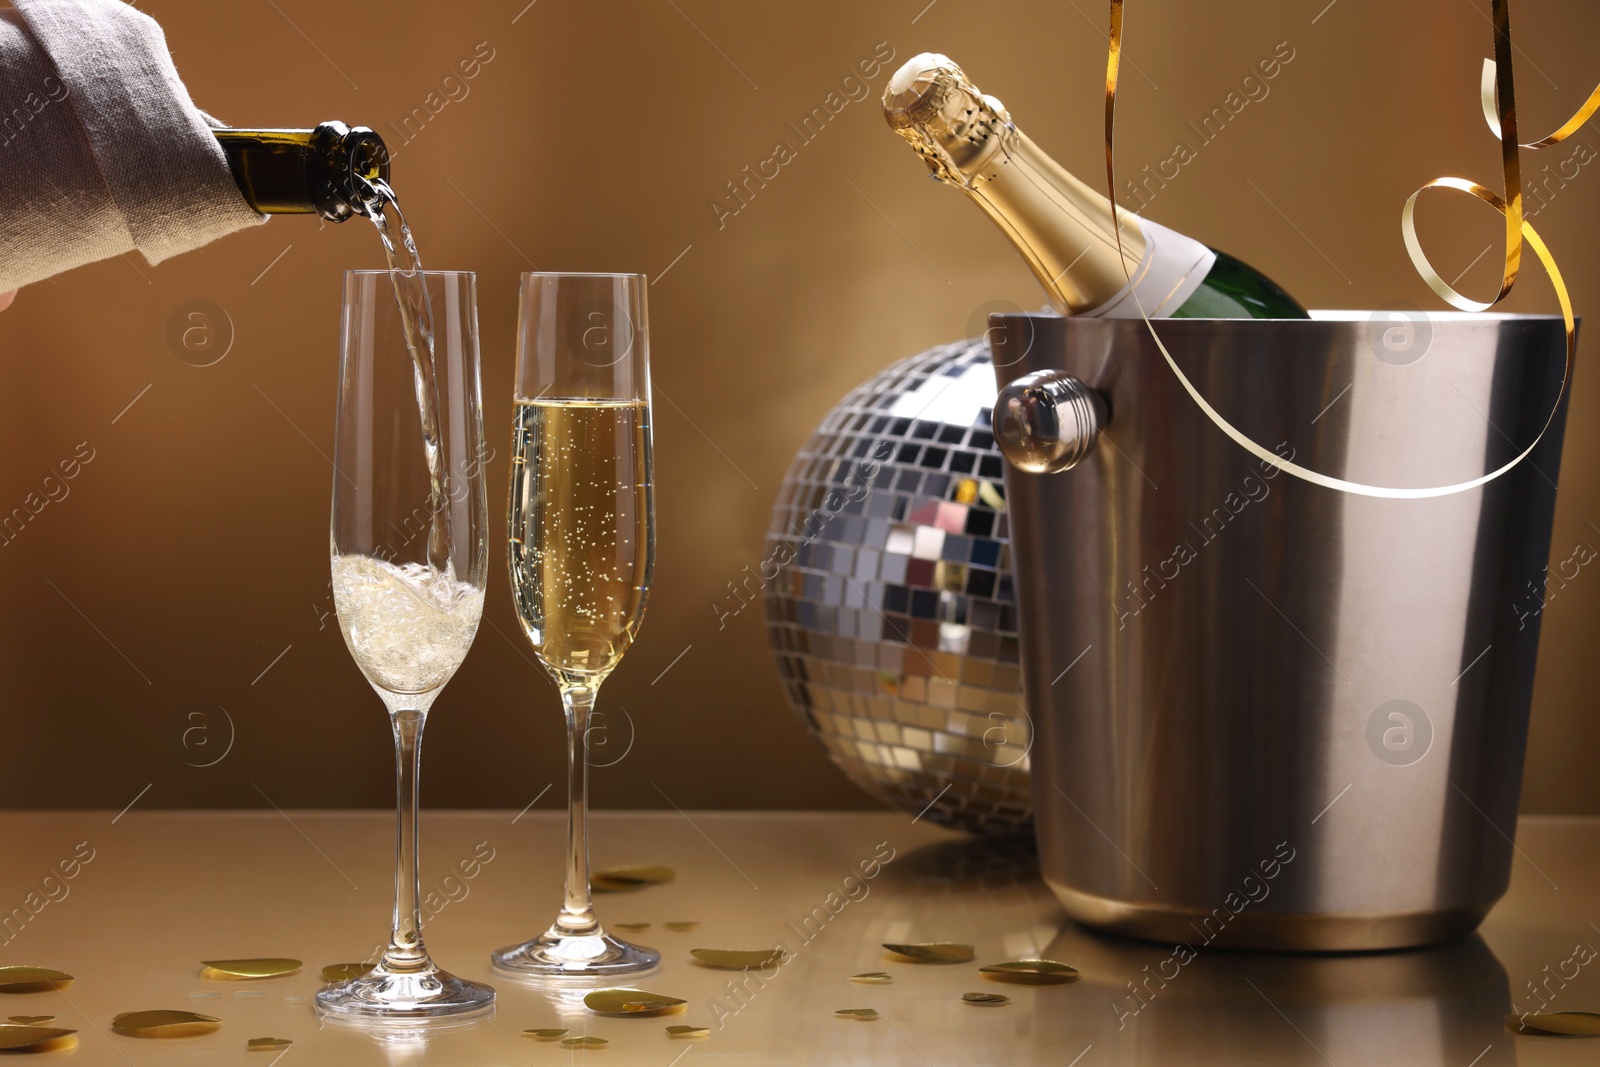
(582, 548)
(410, 559)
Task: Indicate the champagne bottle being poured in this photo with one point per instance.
(329, 171)
(1061, 226)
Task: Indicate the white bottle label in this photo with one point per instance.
(1172, 269)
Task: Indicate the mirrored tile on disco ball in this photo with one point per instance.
(895, 631)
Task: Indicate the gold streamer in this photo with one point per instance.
(1510, 158)
(1113, 70)
(1499, 104)
(1488, 95)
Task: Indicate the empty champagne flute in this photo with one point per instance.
(409, 563)
(582, 548)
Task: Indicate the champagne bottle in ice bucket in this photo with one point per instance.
(1067, 234)
(1062, 227)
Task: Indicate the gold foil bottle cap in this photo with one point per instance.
(956, 130)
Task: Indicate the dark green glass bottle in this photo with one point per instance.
(1235, 290)
(324, 171)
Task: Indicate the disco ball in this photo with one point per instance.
(892, 613)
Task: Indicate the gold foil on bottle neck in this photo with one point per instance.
(1060, 226)
(957, 130)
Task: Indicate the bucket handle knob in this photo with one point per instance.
(1048, 421)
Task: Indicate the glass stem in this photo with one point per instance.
(406, 953)
(577, 913)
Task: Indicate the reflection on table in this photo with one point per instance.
(166, 890)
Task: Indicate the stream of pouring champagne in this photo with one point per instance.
(337, 172)
(416, 319)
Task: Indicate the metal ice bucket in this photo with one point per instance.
(1270, 714)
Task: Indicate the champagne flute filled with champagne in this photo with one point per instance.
(582, 547)
(410, 554)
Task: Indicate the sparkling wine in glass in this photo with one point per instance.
(582, 546)
(409, 564)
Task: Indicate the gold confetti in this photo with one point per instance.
(243, 970)
(31, 1020)
(631, 927)
(164, 1023)
(627, 878)
(1031, 972)
(546, 1033)
(688, 1031)
(343, 972)
(32, 979)
(584, 1042)
(935, 952)
(984, 998)
(654, 1006)
(1555, 1023)
(873, 978)
(857, 1013)
(682, 927)
(267, 1044)
(626, 1001)
(35, 1038)
(731, 959)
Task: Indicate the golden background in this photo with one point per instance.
(183, 575)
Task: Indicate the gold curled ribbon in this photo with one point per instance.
(1488, 94)
(1499, 104)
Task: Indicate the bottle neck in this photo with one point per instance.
(322, 171)
(1063, 228)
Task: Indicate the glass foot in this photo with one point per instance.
(430, 994)
(557, 955)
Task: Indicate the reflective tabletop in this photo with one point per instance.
(131, 904)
